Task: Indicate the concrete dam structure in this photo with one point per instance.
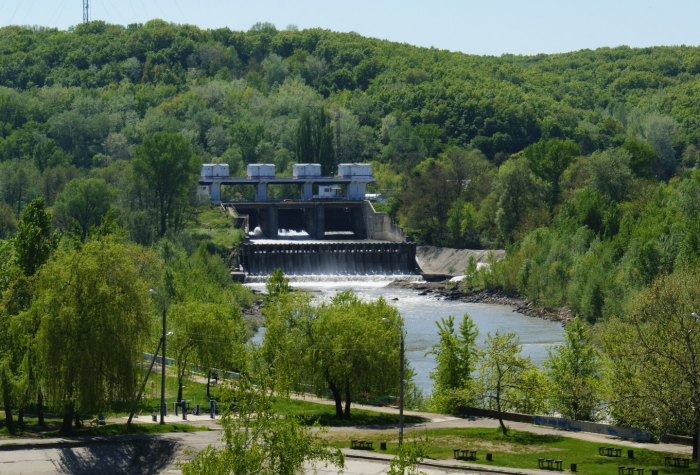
(341, 238)
(334, 232)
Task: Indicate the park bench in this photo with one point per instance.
(610, 451)
(671, 461)
(628, 470)
(360, 444)
(550, 464)
(464, 454)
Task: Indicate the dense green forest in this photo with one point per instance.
(581, 164)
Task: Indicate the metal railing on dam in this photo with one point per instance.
(332, 258)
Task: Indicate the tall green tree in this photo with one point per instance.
(204, 334)
(456, 358)
(519, 193)
(83, 200)
(548, 160)
(343, 346)
(314, 141)
(501, 371)
(574, 372)
(34, 241)
(93, 315)
(653, 351)
(170, 169)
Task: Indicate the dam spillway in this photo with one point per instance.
(329, 258)
(370, 244)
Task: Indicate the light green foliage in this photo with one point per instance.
(206, 334)
(411, 453)
(575, 374)
(256, 440)
(169, 168)
(342, 346)
(93, 319)
(204, 310)
(653, 354)
(502, 374)
(277, 285)
(456, 358)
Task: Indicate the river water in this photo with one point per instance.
(421, 312)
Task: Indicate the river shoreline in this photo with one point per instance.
(451, 291)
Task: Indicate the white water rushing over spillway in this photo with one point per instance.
(420, 313)
(382, 279)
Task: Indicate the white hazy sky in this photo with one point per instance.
(490, 27)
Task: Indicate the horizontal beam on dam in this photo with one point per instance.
(341, 258)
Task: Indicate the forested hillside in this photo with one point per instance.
(580, 163)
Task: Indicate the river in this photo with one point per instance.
(421, 312)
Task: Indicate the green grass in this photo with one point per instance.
(325, 414)
(522, 449)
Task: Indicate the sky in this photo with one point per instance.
(484, 27)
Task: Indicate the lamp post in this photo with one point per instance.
(162, 376)
(401, 355)
(697, 317)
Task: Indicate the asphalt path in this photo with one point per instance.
(163, 453)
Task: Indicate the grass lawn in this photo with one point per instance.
(521, 450)
(325, 414)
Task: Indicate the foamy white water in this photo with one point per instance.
(333, 280)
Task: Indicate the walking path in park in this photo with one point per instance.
(443, 421)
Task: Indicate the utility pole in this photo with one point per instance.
(86, 11)
(401, 380)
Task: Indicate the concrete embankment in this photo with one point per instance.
(444, 260)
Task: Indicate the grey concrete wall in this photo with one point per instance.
(379, 225)
(595, 428)
(507, 416)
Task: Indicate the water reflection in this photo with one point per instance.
(421, 313)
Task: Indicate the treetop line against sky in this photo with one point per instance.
(480, 27)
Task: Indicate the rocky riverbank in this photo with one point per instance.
(451, 291)
(253, 316)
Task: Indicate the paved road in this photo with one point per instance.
(160, 454)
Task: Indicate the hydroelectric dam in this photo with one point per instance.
(334, 232)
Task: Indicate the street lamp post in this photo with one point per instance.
(697, 317)
(162, 376)
(401, 381)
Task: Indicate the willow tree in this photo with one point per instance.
(343, 345)
(93, 318)
(207, 334)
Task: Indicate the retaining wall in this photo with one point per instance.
(574, 426)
